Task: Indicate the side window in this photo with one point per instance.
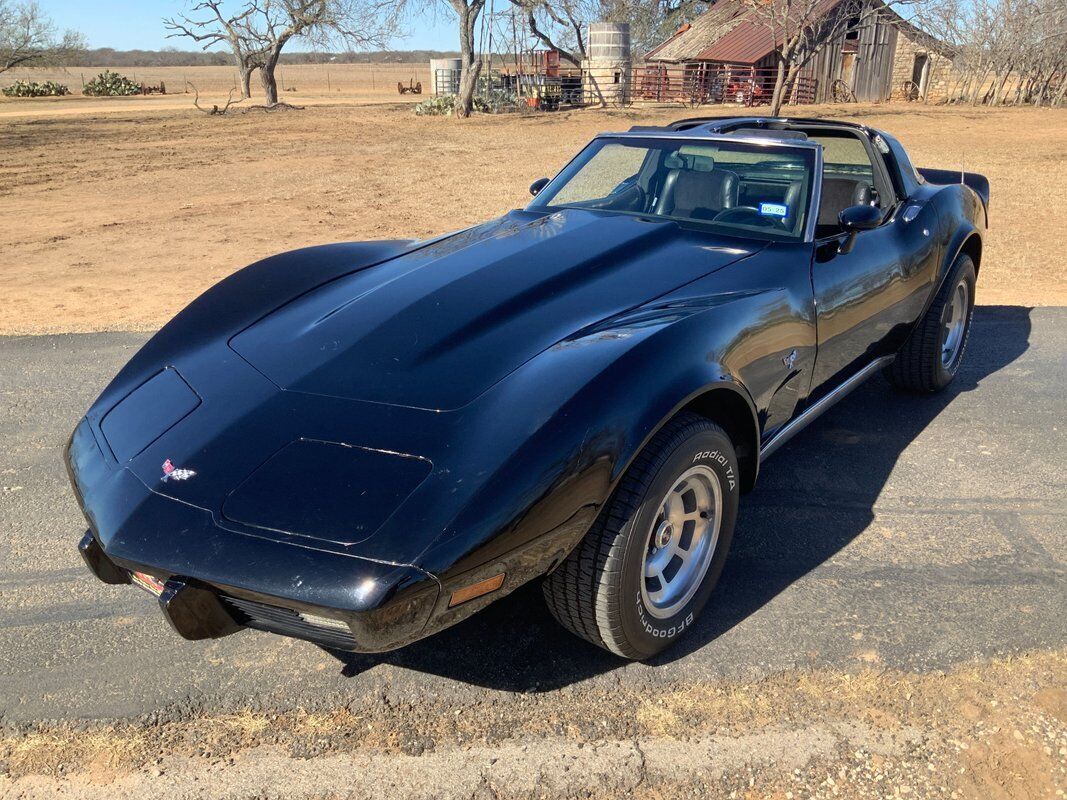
(849, 178)
(603, 174)
(845, 157)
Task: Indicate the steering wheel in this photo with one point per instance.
(747, 215)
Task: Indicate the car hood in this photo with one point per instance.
(437, 326)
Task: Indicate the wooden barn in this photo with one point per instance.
(728, 55)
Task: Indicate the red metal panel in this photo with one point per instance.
(745, 44)
(704, 83)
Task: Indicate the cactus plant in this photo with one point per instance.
(111, 84)
(35, 89)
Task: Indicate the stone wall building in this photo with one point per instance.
(922, 66)
(875, 55)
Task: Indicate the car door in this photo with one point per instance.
(868, 296)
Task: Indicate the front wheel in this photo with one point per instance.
(646, 568)
(932, 355)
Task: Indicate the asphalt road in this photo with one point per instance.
(910, 532)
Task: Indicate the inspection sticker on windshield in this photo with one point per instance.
(774, 209)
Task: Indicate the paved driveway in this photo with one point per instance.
(907, 531)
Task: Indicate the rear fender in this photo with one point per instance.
(965, 239)
(979, 184)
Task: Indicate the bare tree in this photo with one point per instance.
(801, 28)
(560, 24)
(28, 38)
(467, 12)
(651, 21)
(258, 33)
(213, 27)
(1009, 51)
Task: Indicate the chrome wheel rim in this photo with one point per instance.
(953, 324)
(681, 542)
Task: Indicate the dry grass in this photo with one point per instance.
(118, 212)
(341, 81)
(994, 729)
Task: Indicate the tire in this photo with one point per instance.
(601, 592)
(924, 363)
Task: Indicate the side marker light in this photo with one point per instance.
(476, 590)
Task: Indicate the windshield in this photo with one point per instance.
(738, 188)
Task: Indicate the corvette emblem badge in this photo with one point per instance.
(171, 472)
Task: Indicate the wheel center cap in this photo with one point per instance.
(664, 533)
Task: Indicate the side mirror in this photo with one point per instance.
(855, 219)
(538, 185)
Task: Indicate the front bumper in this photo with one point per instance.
(218, 580)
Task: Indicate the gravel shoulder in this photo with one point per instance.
(982, 731)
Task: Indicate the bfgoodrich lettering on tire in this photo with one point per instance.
(645, 570)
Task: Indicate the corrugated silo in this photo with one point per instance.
(606, 73)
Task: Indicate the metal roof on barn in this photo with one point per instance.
(729, 32)
(700, 34)
(747, 43)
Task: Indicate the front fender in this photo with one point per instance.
(578, 415)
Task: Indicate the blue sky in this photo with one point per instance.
(139, 25)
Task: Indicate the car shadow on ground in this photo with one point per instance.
(813, 498)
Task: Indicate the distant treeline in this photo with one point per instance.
(109, 57)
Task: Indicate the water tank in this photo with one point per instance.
(607, 72)
(444, 75)
(609, 41)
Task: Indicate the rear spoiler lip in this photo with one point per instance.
(945, 177)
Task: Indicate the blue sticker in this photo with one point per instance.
(774, 209)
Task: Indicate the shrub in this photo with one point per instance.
(111, 84)
(445, 105)
(34, 89)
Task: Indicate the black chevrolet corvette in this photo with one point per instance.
(360, 444)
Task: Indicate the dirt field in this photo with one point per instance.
(340, 82)
(118, 212)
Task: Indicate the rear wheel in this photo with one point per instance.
(931, 357)
(646, 568)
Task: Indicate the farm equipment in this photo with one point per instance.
(411, 88)
(746, 91)
(542, 92)
(841, 92)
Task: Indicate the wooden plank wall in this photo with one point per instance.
(873, 71)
